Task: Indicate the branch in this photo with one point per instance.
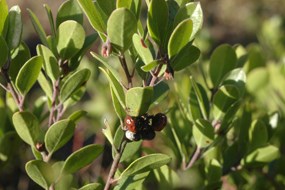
(126, 70)
(53, 104)
(194, 158)
(115, 164)
(19, 100)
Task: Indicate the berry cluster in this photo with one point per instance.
(144, 126)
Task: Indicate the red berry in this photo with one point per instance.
(159, 121)
(130, 124)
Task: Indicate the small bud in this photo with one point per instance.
(40, 147)
(106, 49)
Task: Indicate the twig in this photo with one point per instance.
(155, 75)
(194, 158)
(126, 70)
(53, 104)
(115, 164)
(16, 96)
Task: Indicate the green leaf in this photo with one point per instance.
(222, 61)
(258, 135)
(262, 155)
(45, 85)
(92, 186)
(3, 15)
(132, 182)
(180, 37)
(193, 11)
(28, 74)
(27, 127)
(116, 87)
(73, 83)
(150, 66)
(95, 15)
(15, 27)
(121, 26)
(202, 98)
(69, 10)
(185, 57)
(81, 158)
(145, 164)
(18, 59)
(40, 172)
(105, 62)
(214, 172)
(157, 21)
(38, 27)
(142, 50)
(138, 100)
(198, 102)
(107, 6)
(236, 77)
(223, 99)
(77, 115)
(4, 51)
(51, 66)
(59, 134)
(75, 60)
(160, 91)
(107, 131)
(133, 5)
(50, 19)
(70, 38)
(257, 80)
(203, 133)
(120, 111)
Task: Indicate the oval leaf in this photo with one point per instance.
(223, 99)
(73, 83)
(262, 155)
(203, 133)
(193, 11)
(157, 21)
(28, 74)
(19, 58)
(27, 127)
(187, 56)
(142, 50)
(96, 17)
(38, 27)
(146, 163)
(59, 134)
(138, 100)
(258, 134)
(77, 115)
(4, 51)
(40, 172)
(91, 186)
(70, 38)
(222, 61)
(50, 63)
(150, 66)
(81, 158)
(15, 27)
(121, 26)
(3, 14)
(180, 37)
(69, 10)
